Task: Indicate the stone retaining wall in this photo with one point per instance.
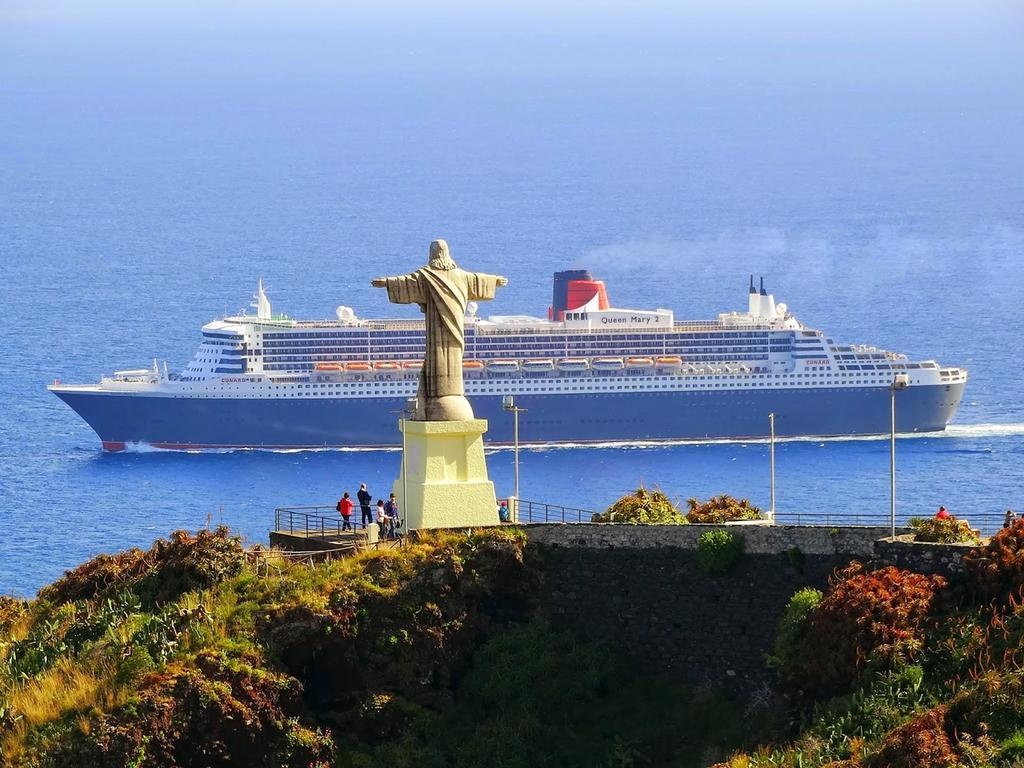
(638, 589)
(944, 559)
(760, 538)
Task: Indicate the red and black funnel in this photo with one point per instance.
(574, 288)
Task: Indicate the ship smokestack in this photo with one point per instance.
(753, 300)
(573, 289)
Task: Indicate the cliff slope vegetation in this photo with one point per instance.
(894, 669)
(428, 655)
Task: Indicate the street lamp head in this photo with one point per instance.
(508, 402)
(412, 404)
(900, 381)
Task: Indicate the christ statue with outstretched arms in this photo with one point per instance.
(442, 291)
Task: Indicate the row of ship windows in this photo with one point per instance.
(628, 348)
(609, 374)
(512, 350)
(471, 331)
(471, 355)
(533, 341)
(417, 356)
(502, 391)
(718, 382)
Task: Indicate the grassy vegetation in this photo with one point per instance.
(431, 655)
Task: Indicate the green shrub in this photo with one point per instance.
(642, 508)
(796, 558)
(718, 551)
(938, 530)
(1012, 749)
(792, 626)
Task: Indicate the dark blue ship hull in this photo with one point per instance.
(192, 422)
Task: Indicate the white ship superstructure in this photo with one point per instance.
(587, 373)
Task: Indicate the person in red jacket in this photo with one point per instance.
(942, 514)
(345, 506)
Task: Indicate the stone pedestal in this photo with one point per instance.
(447, 476)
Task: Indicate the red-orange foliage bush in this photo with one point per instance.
(867, 616)
(995, 571)
(920, 743)
(721, 509)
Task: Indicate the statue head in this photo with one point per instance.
(439, 256)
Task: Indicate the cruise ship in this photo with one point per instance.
(587, 373)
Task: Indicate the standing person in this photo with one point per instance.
(503, 511)
(345, 506)
(391, 507)
(365, 499)
(383, 519)
(1008, 520)
(942, 514)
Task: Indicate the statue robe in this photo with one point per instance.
(442, 296)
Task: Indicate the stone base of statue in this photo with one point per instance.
(446, 476)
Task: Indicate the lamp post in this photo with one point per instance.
(900, 381)
(411, 405)
(771, 461)
(508, 402)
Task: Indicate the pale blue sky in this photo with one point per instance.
(864, 41)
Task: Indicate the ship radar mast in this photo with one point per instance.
(262, 303)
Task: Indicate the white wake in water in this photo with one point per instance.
(952, 432)
(982, 430)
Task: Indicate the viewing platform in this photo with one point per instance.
(321, 530)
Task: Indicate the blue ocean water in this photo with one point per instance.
(153, 167)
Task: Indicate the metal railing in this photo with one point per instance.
(322, 521)
(527, 512)
(326, 521)
(987, 523)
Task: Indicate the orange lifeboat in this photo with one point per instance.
(327, 367)
(670, 360)
(639, 362)
(472, 365)
(357, 366)
(412, 366)
(385, 366)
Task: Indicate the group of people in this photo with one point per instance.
(1008, 520)
(387, 514)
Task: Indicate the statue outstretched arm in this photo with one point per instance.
(405, 289)
(482, 286)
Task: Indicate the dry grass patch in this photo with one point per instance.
(65, 688)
